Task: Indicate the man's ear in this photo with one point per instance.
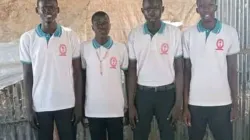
(36, 10)
(162, 9)
(142, 11)
(58, 10)
(197, 10)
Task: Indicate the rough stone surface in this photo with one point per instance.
(18, 16)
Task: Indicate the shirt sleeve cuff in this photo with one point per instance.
(76, 57)
(232, 53)
(25, 62)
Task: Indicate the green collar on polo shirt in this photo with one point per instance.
(107, 45)
(41, 33)
(216, 29)
(161, 30)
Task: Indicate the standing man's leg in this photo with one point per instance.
(115, 128)
(65, 126)
(219, 122)
(164, 103)
(199, 120)
(46, 125)
(97, 128)
(144, 104)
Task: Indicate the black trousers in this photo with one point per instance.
(65, 127)
(158, 102)
(100, 127)
(218, 119)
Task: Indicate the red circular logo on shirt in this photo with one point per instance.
(62, 50)
(113, 62)
(164, 48)
(220, 44)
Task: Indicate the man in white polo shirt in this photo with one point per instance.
(155, 74)
(50, 54)
(103, 61)
(210, 76)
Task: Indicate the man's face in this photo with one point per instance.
(206, 9)
(48, 10)
(101, 26)
(152, 10)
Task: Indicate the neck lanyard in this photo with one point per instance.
(101, 59)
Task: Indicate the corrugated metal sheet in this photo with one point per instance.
(13, 125)
(237, 14)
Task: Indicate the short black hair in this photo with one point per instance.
(45, 0)
(154, 0)
(98, 14)
(214, 1)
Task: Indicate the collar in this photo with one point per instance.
(215, 30)
(107, 45)
(40, 32)
(161, 30)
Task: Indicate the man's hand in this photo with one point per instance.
(77, 115)
(32, 118)
(234, 113)
(175, 114)
(125, 110)
(133, 116)
(187, 117)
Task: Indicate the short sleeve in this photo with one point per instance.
(24, 51)
(185, 45)
(179, 52)
(75, 41)
(83, 56)
(234, 48)
(124, 63)
(130, 46)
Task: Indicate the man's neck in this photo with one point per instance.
(102, 40)
(154, 27)
(49, 28)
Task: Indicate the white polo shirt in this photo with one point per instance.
(104, 93)
(208, 54)
(51, 59)
(155, 55)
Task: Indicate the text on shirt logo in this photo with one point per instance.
(164, 48)
(62, 50)
(113, 62)
(220, 44)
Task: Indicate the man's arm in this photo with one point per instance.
(187, 79)
(131, 82)
(126, 83)
(77, 75)
(132, 70)
(83, 89)
(178, 65)
(28, 84)
(25, 58)
(232, 68)
(232, 78)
